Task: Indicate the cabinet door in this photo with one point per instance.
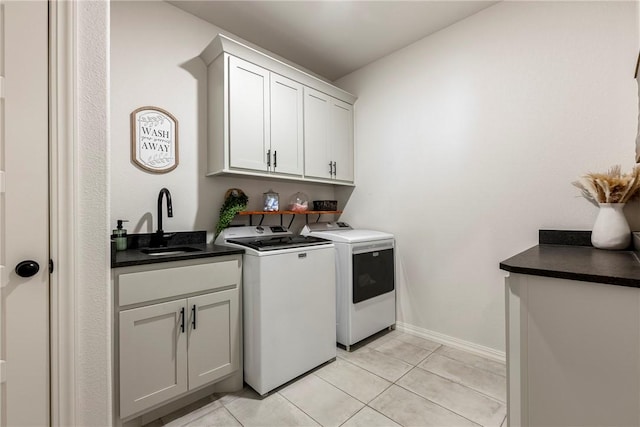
(214, 336)
(248, 115)
(341, 137)
(286, 125)
(153, 355)
(317, 152)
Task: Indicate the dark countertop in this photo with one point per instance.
(133, 255)
(576, 261)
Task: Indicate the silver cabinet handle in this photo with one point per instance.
(330, 168)
(193, 318)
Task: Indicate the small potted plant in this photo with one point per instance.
(610, 191)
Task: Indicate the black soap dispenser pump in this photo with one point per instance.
(120, 236)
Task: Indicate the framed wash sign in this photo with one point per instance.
(637, 76)
(154, 139)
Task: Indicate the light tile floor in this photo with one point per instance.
(391, 379)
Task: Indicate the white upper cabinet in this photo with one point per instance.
(317, 155)
(267, 118)
(328, 137)
(286, 126)
(341, 137)
(248, 115)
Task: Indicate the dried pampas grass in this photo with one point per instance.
(610, 187)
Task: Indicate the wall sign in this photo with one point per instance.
(154, 139)
(637, 76)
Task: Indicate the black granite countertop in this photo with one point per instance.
(195, 240)
(570, 256)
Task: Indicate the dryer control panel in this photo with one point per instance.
(327, 226)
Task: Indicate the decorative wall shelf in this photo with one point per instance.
(282, 213)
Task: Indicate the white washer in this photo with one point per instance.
(365, 279)
(289, 303)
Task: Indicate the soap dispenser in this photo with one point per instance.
(120, 236)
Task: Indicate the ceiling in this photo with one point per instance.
(332, 38)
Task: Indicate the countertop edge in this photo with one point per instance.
(182, 257)
(584, 277)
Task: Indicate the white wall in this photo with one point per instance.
(154, 61)
(479, 131)
(92, 400)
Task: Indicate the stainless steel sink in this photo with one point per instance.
(169, 251)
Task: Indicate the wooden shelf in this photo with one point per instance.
(282, 213)
(288, 212)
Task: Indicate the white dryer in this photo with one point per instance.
(365, 279)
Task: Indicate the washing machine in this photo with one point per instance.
(289, 303)
(365, 279)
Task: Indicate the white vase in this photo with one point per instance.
(611, 229)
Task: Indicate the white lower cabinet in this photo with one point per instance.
(167, 349)
(573, 353)
(213, 344)
(153, 356)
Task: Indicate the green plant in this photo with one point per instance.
(234, 201)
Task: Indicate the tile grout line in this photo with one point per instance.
(386, 416)
(495, 399)
(365, 369)
(370, 348)
(465, 386)
(231, 413)
(470, 365)
(402, 360)
(300, 409)
(344, 391)
(348, 394)
(422, 397)
(357, 412)
(446, 379)
(210, 412)
(437, 404)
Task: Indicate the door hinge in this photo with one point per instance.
(2, 187)
(4, 276)
(1, 87)
(50, 266)
(3, 371)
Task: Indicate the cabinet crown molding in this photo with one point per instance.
(222, 43)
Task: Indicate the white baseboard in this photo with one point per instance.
(478, 349)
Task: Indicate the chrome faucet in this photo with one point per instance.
(160, 239)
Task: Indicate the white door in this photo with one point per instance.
(341, 137)
(153, 355)
(317, 152)
(248, 115)
(214, 336)
(286, 125)
(24, 214)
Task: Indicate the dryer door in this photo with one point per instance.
(373, 274)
